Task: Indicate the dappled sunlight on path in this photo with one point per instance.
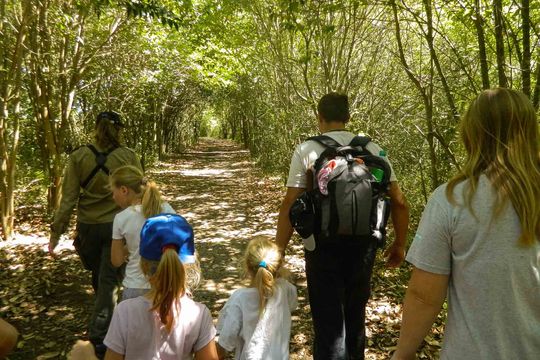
(228, 201)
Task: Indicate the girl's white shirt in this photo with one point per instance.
(253, 338)
(127, 225)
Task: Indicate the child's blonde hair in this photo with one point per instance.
(169, 279)
(263, 264)
(133, 178)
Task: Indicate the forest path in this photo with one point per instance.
(228, 200)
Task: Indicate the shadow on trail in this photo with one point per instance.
(228, 201)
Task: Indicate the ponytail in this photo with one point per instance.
(264, 283)
(151, 200)
(167, 279)
(133, 178)
(262, 262)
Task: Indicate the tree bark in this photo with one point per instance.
(10, 89)
(526, 64)
(426, 97)
(499, 42)
(479, 24)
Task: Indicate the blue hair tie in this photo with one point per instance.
(262, 264)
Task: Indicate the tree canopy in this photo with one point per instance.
(251, 71)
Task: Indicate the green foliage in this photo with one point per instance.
(253, 71)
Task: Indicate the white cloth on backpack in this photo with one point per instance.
(240, 329)
(306, 154)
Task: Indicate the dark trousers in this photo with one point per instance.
(339, 285)
(93, 245)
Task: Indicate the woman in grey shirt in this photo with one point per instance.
(478, 241)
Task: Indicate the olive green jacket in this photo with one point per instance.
(95, 204)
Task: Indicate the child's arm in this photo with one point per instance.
(118, 256)
(111, 355)
(209, 352)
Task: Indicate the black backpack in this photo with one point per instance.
(101, 159)
(350, 198)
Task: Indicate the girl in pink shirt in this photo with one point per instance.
(165, 323)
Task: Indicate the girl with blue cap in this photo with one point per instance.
(165, 323)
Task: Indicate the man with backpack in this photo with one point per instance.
(340, 258)
(86, 186)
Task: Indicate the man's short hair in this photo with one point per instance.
(334, 107)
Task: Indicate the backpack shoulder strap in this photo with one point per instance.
(325, 141)
(360, 141)
(101, 159)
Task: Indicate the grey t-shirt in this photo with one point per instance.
(494, 288)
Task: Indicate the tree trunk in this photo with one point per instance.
(499, 42)
(526, 64)
(479, 23)
(12, 55)
(426, 97)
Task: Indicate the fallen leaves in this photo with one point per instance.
(50, 301)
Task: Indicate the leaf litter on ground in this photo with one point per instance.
(228, 200)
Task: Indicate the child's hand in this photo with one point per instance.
(82, 350)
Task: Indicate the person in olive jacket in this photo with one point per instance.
(86, 186)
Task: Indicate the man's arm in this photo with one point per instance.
(423, 301)
(399, 209)
(284, 227)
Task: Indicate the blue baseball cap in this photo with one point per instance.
(164, 230)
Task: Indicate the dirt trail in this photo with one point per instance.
(228, 200)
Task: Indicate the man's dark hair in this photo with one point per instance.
(334, 107)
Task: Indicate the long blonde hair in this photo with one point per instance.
(263, 265)
(167, 278)
(501, 136)
(133, 178)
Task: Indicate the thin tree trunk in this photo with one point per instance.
(526, 64)
(499, 42)
(10, 89)
(479, 23)
(426, 97)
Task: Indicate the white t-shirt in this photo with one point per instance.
(306, 154)
(127, 225)
(240, 328)
(494, 288)
(138, 334)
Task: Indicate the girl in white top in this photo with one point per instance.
(140, 200)
(256, 321)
